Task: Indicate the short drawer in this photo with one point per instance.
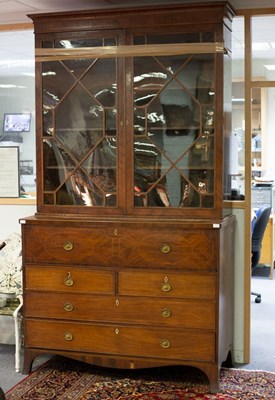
(176, 344)
(144, 311)
(68, 279)
(167, 284)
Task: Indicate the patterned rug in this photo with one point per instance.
(64, 379)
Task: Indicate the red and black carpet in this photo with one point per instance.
(65, 379)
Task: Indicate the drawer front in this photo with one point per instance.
(176, 344)
(144, 311)
(161, 284)
(68, 279)
(129, 245)
(68, 245)
(177, 248)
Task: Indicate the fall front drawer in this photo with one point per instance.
(69, 279)
(123, 245)
(145, 311)
(173, 343)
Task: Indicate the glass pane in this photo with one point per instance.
(100, 80)
(80, 122)
(263, 47)
(262, 134)
(17, 96)
(258, 96)
(56, 81)
(174, 130)
(189, 37)
(237, 138)
(57, 165)
(78, 66)
(79, 190)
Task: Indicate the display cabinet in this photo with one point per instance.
(131, 244)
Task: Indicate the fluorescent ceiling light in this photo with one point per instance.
(32, 74)
(11, 86)
(238, 99)
(16, 63)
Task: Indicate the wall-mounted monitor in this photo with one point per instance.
(17, 122)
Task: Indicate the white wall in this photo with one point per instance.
(9, 218)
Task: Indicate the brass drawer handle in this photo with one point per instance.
(165, 343)
(68, 280)
(68, 307)
(166, 287)
(165, 313)
(68, 336)
(68, 246)
(165, 248)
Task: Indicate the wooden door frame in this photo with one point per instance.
(249, 84)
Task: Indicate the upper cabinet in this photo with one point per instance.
(132, 111)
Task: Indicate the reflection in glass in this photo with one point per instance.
(174, 99)
(80, 124)
(55, 83)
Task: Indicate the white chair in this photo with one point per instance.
(11, 299)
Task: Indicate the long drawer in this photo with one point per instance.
(130, 245)
(146, 311)
(117, 339)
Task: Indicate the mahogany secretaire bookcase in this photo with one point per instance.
(128, 262)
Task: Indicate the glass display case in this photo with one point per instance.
(144, 125)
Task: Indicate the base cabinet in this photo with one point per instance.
(164, 309)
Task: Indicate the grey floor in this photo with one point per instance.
(262, 337)
(263, 325)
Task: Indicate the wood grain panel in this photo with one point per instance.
(111, 339)
(142, 283)
(53, 278)
(144, 311)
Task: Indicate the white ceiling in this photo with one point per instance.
(15, 11)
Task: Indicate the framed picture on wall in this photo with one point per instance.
(9, 171)
(17, 122)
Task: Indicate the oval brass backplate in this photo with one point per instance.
(68, 246)
(165, 248)
(68, 281)
(166, 313)
(68, 307)
(166, 287)
(68, 336)
(165, 343)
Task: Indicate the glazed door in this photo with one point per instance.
(82, 137)
(132, 134)
(174, 134)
